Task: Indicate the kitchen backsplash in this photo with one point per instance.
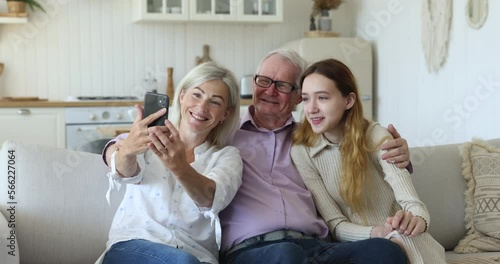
(91, 47)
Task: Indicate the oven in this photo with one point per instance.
(88, 129)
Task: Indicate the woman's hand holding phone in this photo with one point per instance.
(169, 148)
(138, 137)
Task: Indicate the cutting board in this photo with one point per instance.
(22, 99)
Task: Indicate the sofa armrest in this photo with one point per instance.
(61, 212)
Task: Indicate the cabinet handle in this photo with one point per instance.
(24, 111)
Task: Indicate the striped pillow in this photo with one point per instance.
(481, 170)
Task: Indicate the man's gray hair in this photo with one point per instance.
(290, 55)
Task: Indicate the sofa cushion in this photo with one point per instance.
(438, 179)
(481, 170)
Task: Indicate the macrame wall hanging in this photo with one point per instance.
(436, 21)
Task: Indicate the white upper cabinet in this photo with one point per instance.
(260, 10)
(160, 10)
(212, 10)
(209, 10)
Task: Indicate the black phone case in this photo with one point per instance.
(154, 102)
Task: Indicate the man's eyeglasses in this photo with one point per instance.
(266, 82)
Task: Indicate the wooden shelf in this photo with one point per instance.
(7, 18)
(321, 34)
(13, 20)
(45, 103)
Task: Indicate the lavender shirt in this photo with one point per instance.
(272, 196)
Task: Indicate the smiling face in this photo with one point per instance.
(203, 107)
(271, 105)
(324, 106)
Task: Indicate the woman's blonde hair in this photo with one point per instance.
(223, 133)
(354, 148)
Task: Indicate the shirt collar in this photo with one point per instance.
(199, 150)
(321, 144)
(247, 122)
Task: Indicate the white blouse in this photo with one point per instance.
(155, 206)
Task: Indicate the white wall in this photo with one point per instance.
(91, 47)
(460, 101)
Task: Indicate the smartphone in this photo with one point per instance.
(153, 102)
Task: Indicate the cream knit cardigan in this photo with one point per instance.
(389, 190)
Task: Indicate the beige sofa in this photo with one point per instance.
(61, 214)
(440, 185)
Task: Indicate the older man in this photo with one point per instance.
(272, 218)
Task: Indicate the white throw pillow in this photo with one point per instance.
(9, 249)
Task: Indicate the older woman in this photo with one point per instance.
(179, 176)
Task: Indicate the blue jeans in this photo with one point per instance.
(144, 251)
(299, 251)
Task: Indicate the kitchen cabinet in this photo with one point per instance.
(42, 126)
(212, 10)
(258, 11)
(160, 10)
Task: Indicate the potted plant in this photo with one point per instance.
(19, 6)
(322, 7)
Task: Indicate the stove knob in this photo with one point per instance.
(105, 115)
(93, 117)
(119, 116)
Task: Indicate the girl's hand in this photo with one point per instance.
(384, 230)
(381, 231)
(406, 223)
